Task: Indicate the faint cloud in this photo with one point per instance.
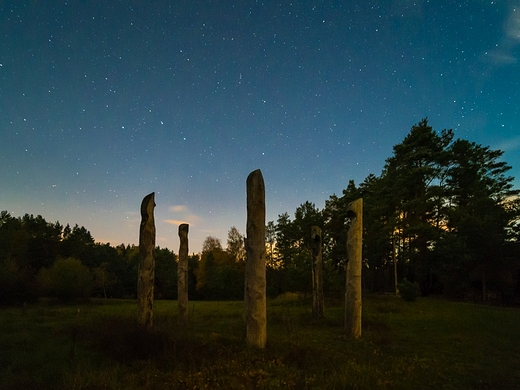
(193, 217)
(176, 222)
(512, 26)
(499, 57)
(502, 54)
(182, 215)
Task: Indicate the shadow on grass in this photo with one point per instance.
(122, 340)
(184, 359)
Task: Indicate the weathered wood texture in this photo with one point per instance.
(182, 273)
(354, 254)
(255, 279)
(318, 305)
(146, 270)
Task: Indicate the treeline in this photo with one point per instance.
(43, 259)
(39, 258)
(443, 214)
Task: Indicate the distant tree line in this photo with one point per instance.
(443, 214)
(44, 259)
(39, 258)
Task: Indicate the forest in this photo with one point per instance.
(443, 214)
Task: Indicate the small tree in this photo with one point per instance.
(235, 245)
(103, 280)
(211, 243)
(408, 291)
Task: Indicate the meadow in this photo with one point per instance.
(427, 344)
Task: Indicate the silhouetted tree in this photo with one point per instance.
(235, 245)
(165, 274)
(479, 216)
(218, 275)
(211, 243)
(412, 175)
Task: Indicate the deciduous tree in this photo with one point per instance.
(235, 245)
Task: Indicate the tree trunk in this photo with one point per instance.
(182, 274)
(146, 272)
(255, 280)
(354, 253)
(394, 256)
(317, 273)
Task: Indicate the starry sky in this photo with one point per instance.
(104, 102)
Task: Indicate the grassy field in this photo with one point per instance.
(428, 344)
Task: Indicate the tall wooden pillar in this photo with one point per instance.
(354, 253)
(255, 279)
(182, 274)
(146, 270)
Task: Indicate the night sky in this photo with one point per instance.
(102, 103)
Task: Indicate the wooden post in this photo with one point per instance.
(255, 280)
(146, 270)
(182, 274)
(354, 266)
(317, 273)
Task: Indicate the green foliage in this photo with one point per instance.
(408, 291)
(79, 243)
(219, 276)
(270, 240)
(165, 274)
(414, 176)
(443, 209)
(290, 260)
(235, 245)
(67, 279)
(104, 281)
(16, 285)
(210, 243)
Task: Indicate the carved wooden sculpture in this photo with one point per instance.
(317, 273)
(354, 254)
(255, 280)
(182, 273)
(146, 271)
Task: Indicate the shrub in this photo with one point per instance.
(408, 291)
(16, 285)
(67, 280)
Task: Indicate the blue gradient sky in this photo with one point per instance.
(102, 103)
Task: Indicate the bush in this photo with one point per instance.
(16, 285)
(408, 291)
(67, 280)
